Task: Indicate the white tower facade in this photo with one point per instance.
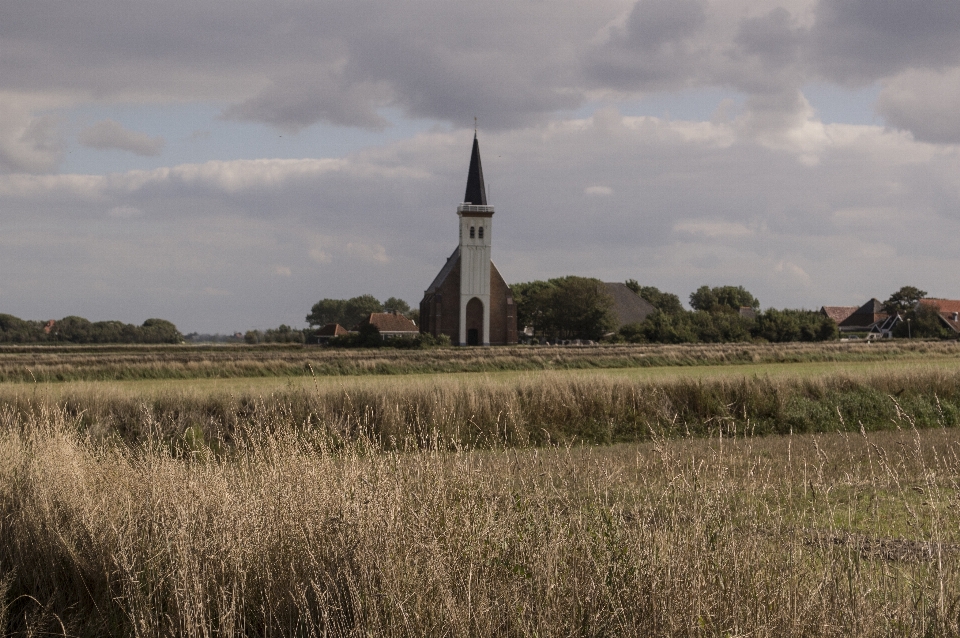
(476, 235)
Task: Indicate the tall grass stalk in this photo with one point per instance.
(295, 533)
(536, 409)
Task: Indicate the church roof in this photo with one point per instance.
(452, 261)
(476, 193)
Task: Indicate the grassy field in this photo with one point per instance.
(478, 503)
(110, 363)
(293, 534)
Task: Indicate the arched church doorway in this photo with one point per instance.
(474, 322)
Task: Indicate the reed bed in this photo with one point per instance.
(535, 409)
(106, 363)
(294, 533)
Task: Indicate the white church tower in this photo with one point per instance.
(476, 234)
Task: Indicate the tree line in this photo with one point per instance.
(82, 331)
(580, 308)
(350, 312)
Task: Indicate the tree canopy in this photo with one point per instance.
(565, 307)
(74, 329)
(350, 312)
(903, 300)
(663, 301)
(722, 298)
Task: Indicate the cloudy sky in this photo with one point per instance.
(225, 164)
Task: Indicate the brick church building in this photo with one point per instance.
(468, 300)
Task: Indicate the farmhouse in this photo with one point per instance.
(391, 325)
(948, 310)
(628, 306)
(837, 313)
(468, 300)
(864, 318)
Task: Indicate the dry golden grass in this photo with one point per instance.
(293, 532)
(404, 412)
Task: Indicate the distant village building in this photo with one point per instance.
(948, 309)
(328, 332)
(468, 300)
(628, 306)
(391, 325)
(837, 313)
(864, 318)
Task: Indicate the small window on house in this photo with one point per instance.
(481, 232)
(471, 232)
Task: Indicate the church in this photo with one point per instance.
(468, 300)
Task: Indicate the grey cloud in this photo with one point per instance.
(925, 103)
(108, 135)
(688, 203)
(655, 49)
(290, 64)
(294, 102)
(27, 143)
(859, 41)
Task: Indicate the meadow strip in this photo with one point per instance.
(533, 409)
(110, 363)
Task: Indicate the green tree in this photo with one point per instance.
(532, 299)
(346, 312)
(159, 331)
(398, 305)
(565, 307)
(722, 299)
(922, 322)
(582, 308)
(661, 327)
(663, 301)
(903, 300)
(327, 311)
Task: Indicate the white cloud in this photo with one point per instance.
(601, 191)
(110, 135)
(367, 252)
(709, 228)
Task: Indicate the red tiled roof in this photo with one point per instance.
(945, 305)
(838, 313)
(948, 309)
(332, 330)
(390, 322)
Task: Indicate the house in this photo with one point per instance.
(884, 329)
(628, 306)
(837, 313)
(328, 332)
(391, 325)
(468, 300)
(747, 312)
(864, 318)
(948, 309)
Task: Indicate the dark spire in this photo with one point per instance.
(476, 192)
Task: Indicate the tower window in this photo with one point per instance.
(481, 232)
(471, 232)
